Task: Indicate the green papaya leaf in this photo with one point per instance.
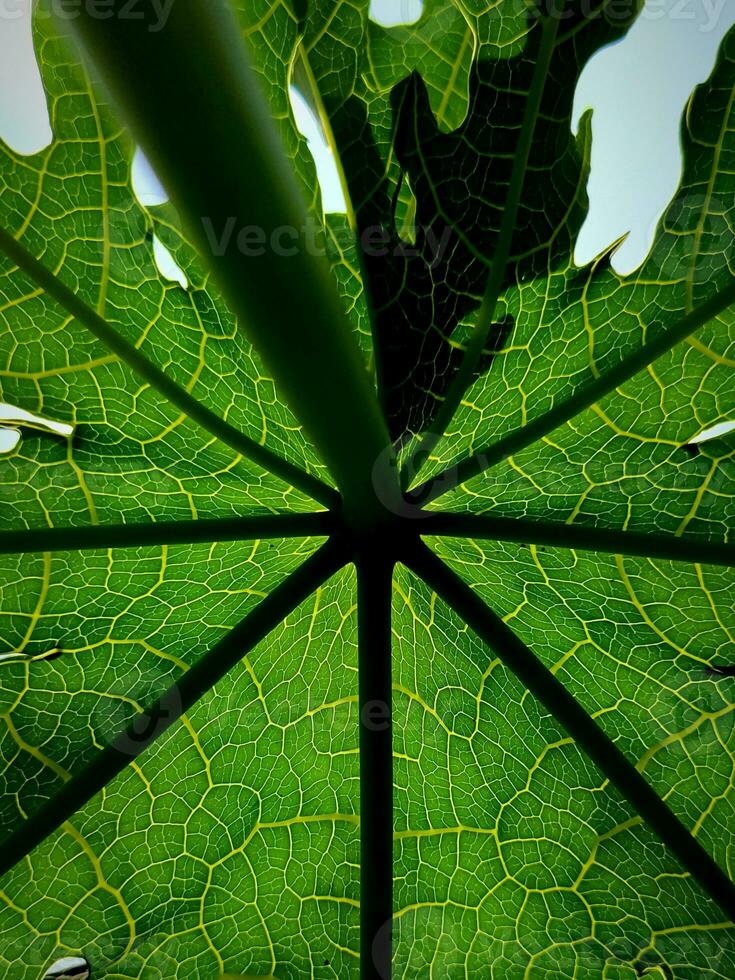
(242, 976)
(594, 316)
(366, 578)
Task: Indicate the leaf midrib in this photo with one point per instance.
(159, 380)
(588, 395)
(420, 454)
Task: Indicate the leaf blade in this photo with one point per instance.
(304, 341)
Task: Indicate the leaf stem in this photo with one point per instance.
(487, 527)
(168, 708)
(557, 700)
(374, 594)
(195, 104)
(160, 381)
(212, 531)
(463, 377)
(627, 368)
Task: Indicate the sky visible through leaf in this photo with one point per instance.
(637, 149)
(638, 90)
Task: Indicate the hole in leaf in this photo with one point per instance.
(53, 653)
(24, 117)
(9, 439)
(16, 418)
(333, 198)
(638, 90)
(13, 657)
(394, 13)
(68, 968)
(712, 432)
(146, 186)
(167, 265)
(150, 193)
(19, 416)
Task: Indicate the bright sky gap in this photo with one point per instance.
(637, 89)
